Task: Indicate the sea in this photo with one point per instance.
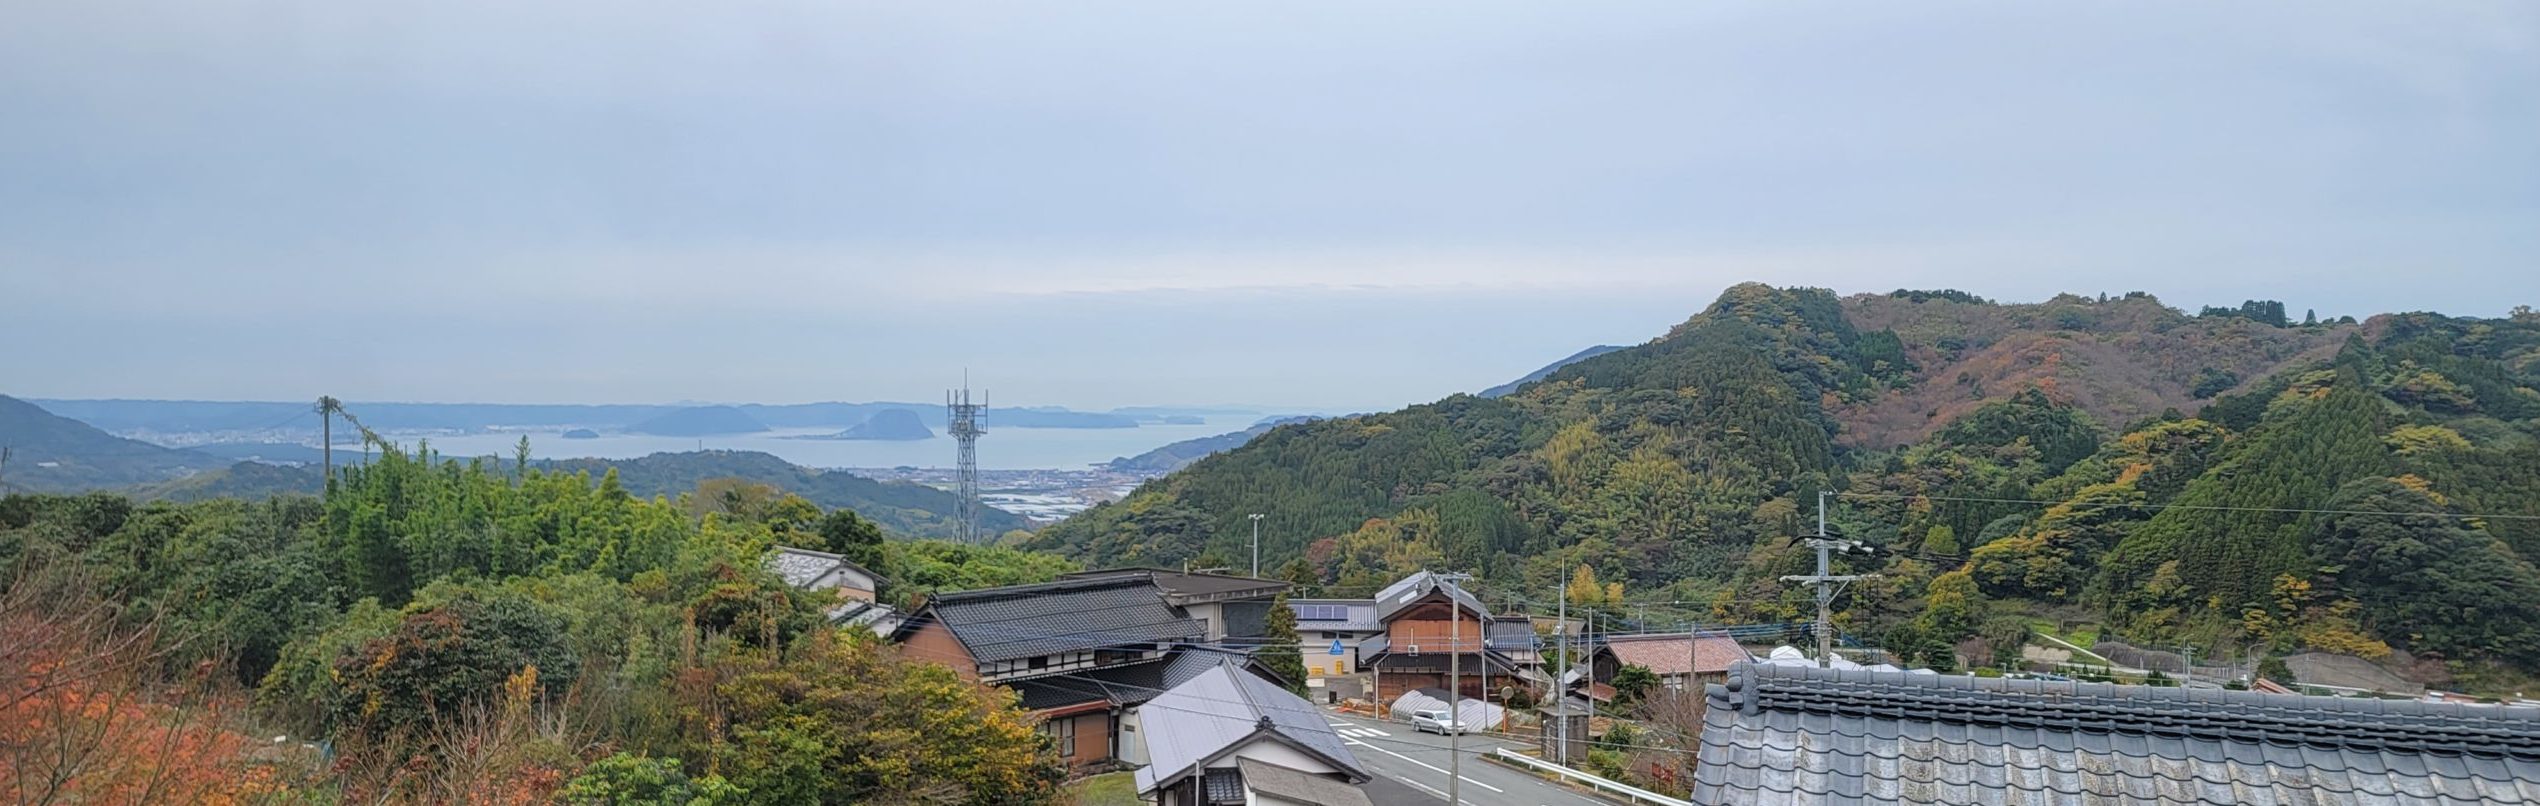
(999, 448)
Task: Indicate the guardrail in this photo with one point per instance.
(1598, 783)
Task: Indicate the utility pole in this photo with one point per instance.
(1560, 678)
(1587, 644)
(2187, 666)
(1686, 693)
(1826, 582)
(4, 469)
(1454, 686)
(326, 438)
(1256, 545)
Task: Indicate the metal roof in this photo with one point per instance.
(1420, 584)
(1025, 621)
(1223, 709)
(1298, 785)
(1788, 734)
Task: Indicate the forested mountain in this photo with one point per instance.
(903, 508)
(48, 452)
(2178, 477)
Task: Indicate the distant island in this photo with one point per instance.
(700, 421)
(889, 424)
(581, 433)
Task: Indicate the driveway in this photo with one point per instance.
(1420, 760)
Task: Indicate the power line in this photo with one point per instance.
(2285, 510)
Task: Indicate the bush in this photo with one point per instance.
(632, 780)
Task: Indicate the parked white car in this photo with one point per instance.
(1438, 722)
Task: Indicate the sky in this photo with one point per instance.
(1337, 206)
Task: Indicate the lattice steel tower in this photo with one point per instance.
(964, 417)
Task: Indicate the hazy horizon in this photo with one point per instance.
(1318, 206)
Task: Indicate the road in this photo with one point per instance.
(1394, 750)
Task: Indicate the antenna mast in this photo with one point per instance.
(964, 417)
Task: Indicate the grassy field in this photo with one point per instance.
(1112, 789)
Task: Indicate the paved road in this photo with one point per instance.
(1394, 750)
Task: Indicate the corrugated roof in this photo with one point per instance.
(1025, 621)
(1225, 707)
(1667, 654)
(1419, 584)
(1786, 734)
(1298, 785)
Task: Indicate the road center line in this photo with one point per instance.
(1426, 764)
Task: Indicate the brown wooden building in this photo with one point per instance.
(1431, 626)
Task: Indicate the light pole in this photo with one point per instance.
(1256, 545)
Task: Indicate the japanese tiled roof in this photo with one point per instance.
(1668, 655)
(1025, 621)
(1788, 734)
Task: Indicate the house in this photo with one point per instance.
(1672, 657)
(1232, 607)
(1320, 622)
(1432, 629)
(822, 571)
(1227, 736)
(1798, 734)
(1080, 653)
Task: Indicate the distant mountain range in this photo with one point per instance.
(1537, 375)
(701, 421)
(51, 453)
(1175, 456)
(173, 417)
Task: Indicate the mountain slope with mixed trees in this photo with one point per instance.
(2229, 479)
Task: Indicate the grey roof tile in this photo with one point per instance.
(1025, 621)
(1801, 735)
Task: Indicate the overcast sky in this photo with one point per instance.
(1335, 205)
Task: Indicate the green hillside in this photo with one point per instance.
(2004, 460)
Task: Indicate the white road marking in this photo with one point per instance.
(1467, 779)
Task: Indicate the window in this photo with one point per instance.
(1062, 732)
(1329, 635)
(1040, 662)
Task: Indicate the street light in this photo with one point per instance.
(1256, 545)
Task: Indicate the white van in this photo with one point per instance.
(1436, 721)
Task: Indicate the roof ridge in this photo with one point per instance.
(1235, 674)
(2108, 708)
(1010, 591)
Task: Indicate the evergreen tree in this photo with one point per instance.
(1282, 649)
